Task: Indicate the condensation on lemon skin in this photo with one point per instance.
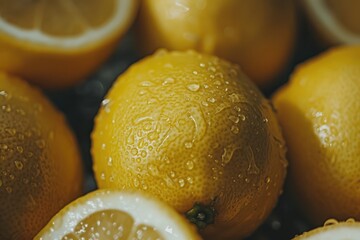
(188, 127)
(28, 159)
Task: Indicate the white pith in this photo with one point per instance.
(341, 231)
(142, 210)
(334, 28)
(122, 13)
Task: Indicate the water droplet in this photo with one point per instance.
(154, 171)
(234, 129)
(202, 65)
(234, 119)
(146, 84)
(188, 145)
(190, 165)
(247, 180)
(193, 87)
(181, 182)
(168, 80)
(4, 146)
(102, 176)
(212, 69)
(330, 221)
(211, 99)
(195, 72)
(172, 174)
(11, 131)
(6, 108)
(134, 151)
(21, 112)
(219, 75)
(19, 149)
(21, 137)
(205, 104)
(19, 165)
(242, 117)
(235, 98)
(265, 120)
(136, 182)
(217, 83)
(190, 180)
(9, 189)
(40, 144)
(144, 186)
(110, 161)
(267, 180)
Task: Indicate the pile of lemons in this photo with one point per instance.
(185, 144)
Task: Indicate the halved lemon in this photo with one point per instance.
(58, 43)
(333, 230)
(112, 214)
(337, 22)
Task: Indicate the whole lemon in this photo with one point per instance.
(256, 34)
(318, 111)
(192, 130)
(40, 165)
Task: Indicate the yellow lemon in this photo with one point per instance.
(318, 111)
(336, 22)
(112, 214)
(56, 44)
(332, 229)
(193, 130)
(40, 165)
(256, 34)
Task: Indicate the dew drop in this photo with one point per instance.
(234, 129)
(146, 84)
(19, 165)
(193, 87)
(19, 149)
(267, 180)
(4, 146)
(242, 117)
(234, 119)
(202, 65)
(235, 98)
(247, 180)
(40, 144)
(188, 145)
(330, 221)
(211, 99)
(172, 174)
(102, 176)
(136, 182)
(110, 161)
(144, 186)
(181, 182)
(217, 83)
(195, 72)
(11, 131)
(190, 180)
(168, 80)
(190, 165)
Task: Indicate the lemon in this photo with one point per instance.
(40, 165)
(318, 111)
(194, 131)
(336, 22)
(112, 214)
(56, 44)
(332, 229)
(256, 34)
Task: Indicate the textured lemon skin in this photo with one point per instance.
(318, 111)
(258, 35)
(192, 128)
(40, 165)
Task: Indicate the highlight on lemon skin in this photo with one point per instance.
(112, 214)
(318, 111)
(58, 44)
(258, 35)
(40, 164)
(194, 131)
(334, 230)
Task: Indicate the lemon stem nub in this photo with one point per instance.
(201, 215)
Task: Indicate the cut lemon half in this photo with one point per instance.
(337, 22)
(58, 43)
(110, 214)
(333, 230)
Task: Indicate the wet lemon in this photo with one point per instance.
(40, 165)
(112, 214)
(318, 111)
(332, 229)
(256, 34)
(58, 44)
(193, 130)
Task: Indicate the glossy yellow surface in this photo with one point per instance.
(190, 128)
(318, 111)
(256, 34)
(40, 165)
